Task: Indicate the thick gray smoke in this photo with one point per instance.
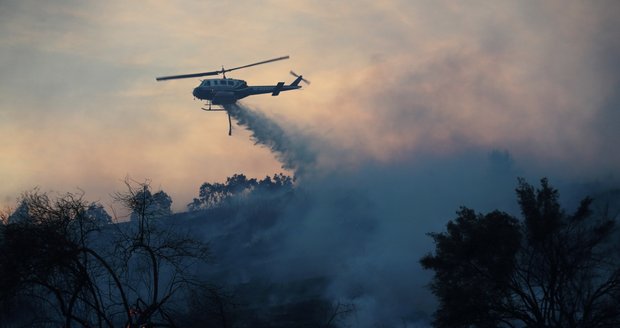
(441, 123)
(294, 154)
(362, 229)
(340, 228)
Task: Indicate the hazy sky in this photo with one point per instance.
(391, 80)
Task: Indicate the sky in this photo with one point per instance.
(394, 83)
(415, 108)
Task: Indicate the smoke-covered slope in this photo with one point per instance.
(351, 235)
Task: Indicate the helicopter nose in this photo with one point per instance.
(195, 92)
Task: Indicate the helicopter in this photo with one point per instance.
(226, 91)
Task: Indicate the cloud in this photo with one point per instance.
(533, 85)
(389, 79)
(407, 102)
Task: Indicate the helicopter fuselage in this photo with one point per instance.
(228, 91)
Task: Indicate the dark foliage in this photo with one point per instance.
(215, 194)
(79, 271)
(144, 203)
(551, 269)
(63, 264)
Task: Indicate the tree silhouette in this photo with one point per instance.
(215, 194)
(80, 271)
(142, 202)
(551, 269)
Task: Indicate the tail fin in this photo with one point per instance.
(297, 80)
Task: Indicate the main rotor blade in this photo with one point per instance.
(259, 63)
(187, 76)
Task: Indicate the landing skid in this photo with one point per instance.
(215, 109)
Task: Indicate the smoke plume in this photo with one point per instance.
(291, 151)
(363, 228)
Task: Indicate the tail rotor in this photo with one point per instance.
(300, 77)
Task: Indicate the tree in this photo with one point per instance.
(142, 202)
(20, 214)
(155, 261)
(83, 272)
(213, 194)
(550, 269)
(44, 258)
(98, 214)
(216, 194)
